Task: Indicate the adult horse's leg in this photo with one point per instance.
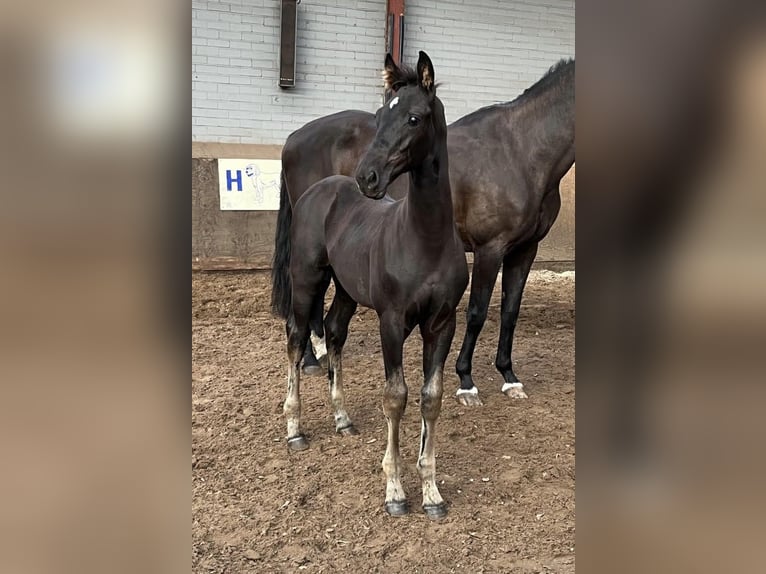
(436, 345)
(316, 352)
(336, 328)
(486, 264)
(516, 266)
(392, 335)
(304, 288)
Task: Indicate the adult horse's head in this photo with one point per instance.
(407, 126)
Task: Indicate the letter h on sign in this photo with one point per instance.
(230, 180)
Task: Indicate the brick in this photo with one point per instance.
(230, 17)
(216, 25)
(244, 63)
(231, 35)
(204, 33)
(205, 50)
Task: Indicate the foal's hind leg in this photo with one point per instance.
(436, 346)
(516, 266)
(486, 264)
(392, 335)
(336, 329)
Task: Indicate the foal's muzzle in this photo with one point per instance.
(369, 184)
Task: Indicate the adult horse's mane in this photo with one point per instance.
(552, 78)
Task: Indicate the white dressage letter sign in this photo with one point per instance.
(249, 184)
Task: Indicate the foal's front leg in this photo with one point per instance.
(436, 346)
(392, 335)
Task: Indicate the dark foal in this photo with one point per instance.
(404, 259)
(507, 161)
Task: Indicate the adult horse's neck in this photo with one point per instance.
(428, 205)
(547, 120)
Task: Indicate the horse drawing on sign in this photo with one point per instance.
(254, 174)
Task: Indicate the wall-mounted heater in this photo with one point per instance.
(288, 32)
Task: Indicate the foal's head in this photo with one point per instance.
(409, 125)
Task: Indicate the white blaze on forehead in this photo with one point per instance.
(393, 103)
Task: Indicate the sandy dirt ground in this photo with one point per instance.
(506, 470)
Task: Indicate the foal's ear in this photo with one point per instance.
(392, 74)
(425, 73)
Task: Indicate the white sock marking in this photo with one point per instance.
(471, 391)
(318, 343)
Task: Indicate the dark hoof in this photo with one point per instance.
(350, 430)
(312, 370)
(297, 443)
(435, 511)
(397, 507)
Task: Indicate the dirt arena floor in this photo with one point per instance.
(506, 470)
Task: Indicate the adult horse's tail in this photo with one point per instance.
(281, 287)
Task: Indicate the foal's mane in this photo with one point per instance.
(407, 76)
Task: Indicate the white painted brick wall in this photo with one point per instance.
(235, 66)
(487, 51)
(484, 51)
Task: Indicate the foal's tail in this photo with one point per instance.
(281, 286)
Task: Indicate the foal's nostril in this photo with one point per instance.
(372, 178)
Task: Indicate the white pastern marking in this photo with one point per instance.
(471, 391)
(393, 103)
(508, 386)
(320, 348)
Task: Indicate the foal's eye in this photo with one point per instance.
(413, 121)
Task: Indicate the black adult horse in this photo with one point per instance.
(507, 161)
(402, 258)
